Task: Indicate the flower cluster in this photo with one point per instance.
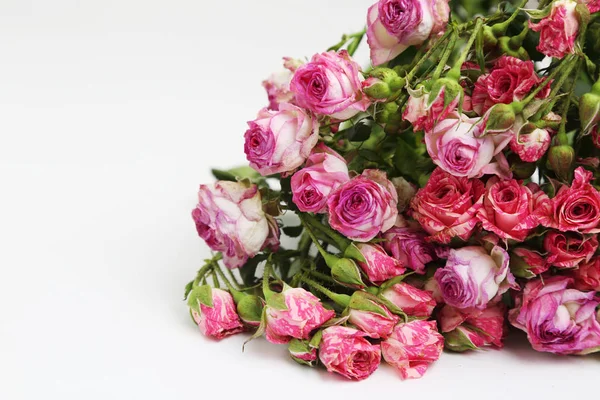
(437, 197)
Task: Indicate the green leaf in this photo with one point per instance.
(223, 175)
(359, 132)
(236, 174)
(260, 330)
(479, 50)
(200, 295)
(188, 289)
(248, 270)
(293, 231)
(315, 341)
(277, 301)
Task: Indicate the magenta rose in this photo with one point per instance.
(330, 84)
(324, 172)
(372, 318)
(575, 208)
(530, 143)
(587, 276)
(473, 276)
(510, 79)
(447, 205)
(230, 218)
(280, 141)
(568, 249)
(408, 245)
(394, 25)
(414, 302)
(220, 320)
(304, 313)
(473, 328)
(556, 317)
(558, 30)
(363, 206)
(508, 208)
(412, 347)
(346, 351)
(379, 266)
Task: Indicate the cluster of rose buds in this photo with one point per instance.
(441, 195)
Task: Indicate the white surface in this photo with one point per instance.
(111, 113)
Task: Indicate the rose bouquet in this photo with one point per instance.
(437, 197)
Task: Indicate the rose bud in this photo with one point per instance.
(408, 245)
(447, 94)
(557, 318)
(379, 266)
(508, 208)
(330, 84)
(520, 169)
(345, 351)
(214, 312)
(527, 263)
(324, 172)
(280, 141)
(303, 313)
(412, 301)
(363, 206)
(568, 249)
(575, 208)
(230, 218)
(560, 160)
(558, 30)
(394, 25)
(370, 316)
(412, 347)
(473, 329)
(587, 276)
(346, 273)
(376, 89)
(530, 143)
(473, 277)
(447, 205)
(302, 352)
(592, 5)
(500, 118)
(249, 308)
(589, 108)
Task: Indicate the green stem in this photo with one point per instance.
(562, 136)
(233, 279)
(201, 273)
(215, 279)
(266, 276)
(500, 28)
(341, 299)
(340, 241)
(568, 63)
(445, 56)
(428, 55)
(330, 259)
(357, 38)
(320, 275)
(454, 73)
(224, 278)
(517, 41)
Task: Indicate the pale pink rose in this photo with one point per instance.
(414, 302)
(304, 314)
(376, 324)
(508, 208)
(363, 206)
(557, 318)
(394, 25)
(447, 205)
(408, 245)
(220, 320)
(230, 218)
(330, 84)
(324, 172)
(558, 31)
(510, 79)
(454, 146)
(575, 208)
(568, 249)
(587, 276)
(280, 141)
(345, 351)
(530, 143)
(379, 266)
(473, 328)
(412, 347)
(473, 277)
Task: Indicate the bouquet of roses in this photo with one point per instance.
(438, 196)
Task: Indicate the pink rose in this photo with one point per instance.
(424, 117)
(304, 313)
(363, 206)
(346, 352)
(278, 85)
(558, 31)
(447, 205)
(510, 79)
(530, 143)
(568, 249)
(575, 208)
(587, 276)
(454, 147)
(230, 218)
(412, 347)
(508, 208)
(379, 266)
(394, 25)
(528, 259)
(473, 277)
(372, 317)
(330, 84)
(408, 245)
(324, 172)
(472, 328)
(557, 318)
(302, 352)
(414, 302)
(280, 141)
(220, 320)
(593, 5)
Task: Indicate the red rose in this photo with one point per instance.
(568, 249)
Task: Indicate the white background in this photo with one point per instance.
(111, 113)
